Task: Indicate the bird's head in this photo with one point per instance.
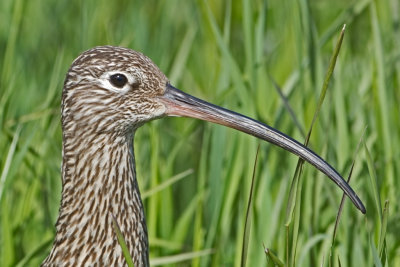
(112, 89)
(115, 90)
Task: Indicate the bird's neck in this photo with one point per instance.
(99, 184)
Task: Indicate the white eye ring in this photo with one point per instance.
(117, 84)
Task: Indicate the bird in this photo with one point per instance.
(108, 93)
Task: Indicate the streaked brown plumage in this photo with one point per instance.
(108, 93)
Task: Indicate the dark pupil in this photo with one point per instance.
(118, 80)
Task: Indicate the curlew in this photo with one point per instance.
(108, 93)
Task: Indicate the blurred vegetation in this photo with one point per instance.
(236, 54)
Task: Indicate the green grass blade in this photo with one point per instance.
(375, 254)
(180, 257)
(373, 182)
(380, 91)
(382, 237)
(327, 80)
(167, 183)
(122, 243)
(11, 42)
(249, 213)
(182, 56)
(348, 181)
(198, 234)
(9, 157)
(313, 241)
(271, 256)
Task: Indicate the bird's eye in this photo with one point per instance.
(118, 80)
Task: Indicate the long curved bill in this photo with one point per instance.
(179, 103)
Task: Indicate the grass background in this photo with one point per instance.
(230, 53)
